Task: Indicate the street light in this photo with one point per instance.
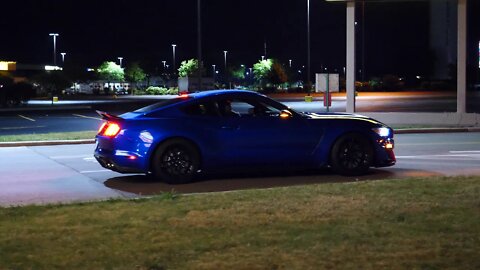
(226, 73)
(164, 63)
(120, 59)
(263, 57)
(63, 57)
(54, 35)
(213, 67)
(309, 83)
(173, 48)
(290, 63)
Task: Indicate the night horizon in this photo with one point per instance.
(91, 33)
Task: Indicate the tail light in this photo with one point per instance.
(109, 129)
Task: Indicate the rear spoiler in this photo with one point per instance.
(108, 117)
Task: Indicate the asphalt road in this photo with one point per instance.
(66, 173)
(45, 121)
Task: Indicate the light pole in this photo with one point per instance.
(164, 63)
(54, 35)
(199, 44)
(290, 63)
(263, 57)
(173, 48)
(63, 57)
(120, 60)
(226, 73)
(309, 83)
(213, 74)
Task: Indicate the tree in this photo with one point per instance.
(188, 68)
(270, 71)
(134, 73)
(53, 82)
(262, 69)
(110, 71)
(238, 73)
(277, 74)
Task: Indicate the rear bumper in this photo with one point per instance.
(114, 165)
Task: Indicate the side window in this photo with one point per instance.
(202, 109)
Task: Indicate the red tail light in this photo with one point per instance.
(109, 129)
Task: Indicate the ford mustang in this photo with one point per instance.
(235, 130)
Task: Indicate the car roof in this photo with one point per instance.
(211, 93)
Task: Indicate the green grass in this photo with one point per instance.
(431, 223)
(49, 136)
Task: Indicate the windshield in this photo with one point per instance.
(161, 104)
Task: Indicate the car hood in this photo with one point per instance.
(342, 116)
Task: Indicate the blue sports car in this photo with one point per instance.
(235, 130)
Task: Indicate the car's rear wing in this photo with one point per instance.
(109, 117)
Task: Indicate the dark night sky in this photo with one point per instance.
(92, 31)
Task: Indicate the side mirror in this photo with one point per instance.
(285, 114)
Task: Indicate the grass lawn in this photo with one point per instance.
(78, 135)
(431, 223)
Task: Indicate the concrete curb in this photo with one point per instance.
(92, 141)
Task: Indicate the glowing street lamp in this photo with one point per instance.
(63, 57)
(226, 72)
(54, 35)
(120, 60)
(173, 48)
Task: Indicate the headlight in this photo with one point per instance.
(382, 131)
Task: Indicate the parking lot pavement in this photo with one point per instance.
(29, 175)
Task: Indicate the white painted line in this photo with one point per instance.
(69, 157)
(88, 117)
(439, 156)
(13, 128)
(471, 151)
(95, 171)
(28, 118)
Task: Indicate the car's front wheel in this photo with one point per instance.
(352, 154)
(176, 161)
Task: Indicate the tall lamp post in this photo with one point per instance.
(226, 72)
(173, 48)
(199, 44)
(120, 60)
(54, 35)
(63, 57)
(309, 83)
(213, 74)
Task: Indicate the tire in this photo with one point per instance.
(176, 161)
(352, 154)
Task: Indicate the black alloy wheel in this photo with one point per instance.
(176, 161)
(352, 154)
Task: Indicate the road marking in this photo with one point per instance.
(95, 171)
(70, 156)
(475, 156)
(12, 128)
(28, 118)
(88, 117)
(439, 143)
(468, 151)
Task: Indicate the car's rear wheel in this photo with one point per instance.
(352, 154)
(176, 161)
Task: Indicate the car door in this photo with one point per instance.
(265, 138)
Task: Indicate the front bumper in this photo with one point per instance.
(385, 156)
